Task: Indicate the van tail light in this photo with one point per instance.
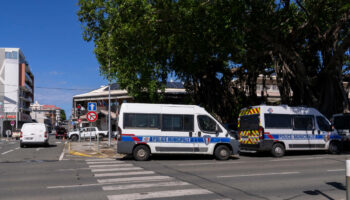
(45, 135)
(261, 133)
(119, 134)
(239, 135)
(21, 135)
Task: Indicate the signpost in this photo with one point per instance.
(8, 132)
(92, 117)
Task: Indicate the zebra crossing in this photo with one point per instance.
(125, 181)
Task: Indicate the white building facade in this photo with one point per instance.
(16, 89)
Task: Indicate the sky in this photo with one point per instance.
(50, 36)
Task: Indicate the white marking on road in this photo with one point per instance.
(264, 174)
(38, 149)
(116, 165)
(124, 174)
(58, 142)
(161, 194)
(144, 185)
(61, 156)
(336, 170)
(294, 159)
(17, 148)
(105, 162)
(116, 169)
(72, 186)
(100, 159)
(74, 169)
(7, 152)
(134, 179)
(208, 163)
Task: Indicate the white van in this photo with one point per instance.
(280, 128)
(341, 123)
(146, 129)
(34, 133)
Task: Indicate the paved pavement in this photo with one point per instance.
(43, 173)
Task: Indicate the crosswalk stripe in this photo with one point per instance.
(107, 166)
(144, 185)
(124, 174)
(116, 169)
(134, 179)
(105, 162)
(161, 194)
(99, 159)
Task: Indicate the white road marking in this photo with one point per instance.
(62, 170)
(61, 156)
(144, 185)
(72, 186)
(58, 142)
(116, 169)
(264, 174)
(116, 165)
(99, 159)
(105, 162)
(161, 194)
(38, 149)
(208, 163)
(7, 152)
(124, 174)
(134, 179)
(336, 170)
(17, 148)
(294, 159)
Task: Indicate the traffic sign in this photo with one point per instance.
(91, 116)
(79, 121)
(12, 123)
(92, 106)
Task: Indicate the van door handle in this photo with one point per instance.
(190, 134)
(199, 134)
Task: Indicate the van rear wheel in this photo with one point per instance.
(141, 153)
(278, 150)
(222, 152)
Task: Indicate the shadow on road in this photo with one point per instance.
(289, 154)
(337, 185)
(177, 157)
(316, 193)
(39, 145)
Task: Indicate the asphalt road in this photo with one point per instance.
(39, 173)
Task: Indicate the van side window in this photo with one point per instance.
(177, 122)
(132, 120)
(206, 124)
(304, 122)
(278, 121)
(323, 124)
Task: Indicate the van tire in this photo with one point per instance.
(222, 152)
(278, 150)
(74, 138)
(141, 153)
(334, 148)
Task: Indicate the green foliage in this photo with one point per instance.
(62, 115)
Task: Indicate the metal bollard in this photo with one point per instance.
(348, 179)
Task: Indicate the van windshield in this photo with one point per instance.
(342, 122)
(249, 122)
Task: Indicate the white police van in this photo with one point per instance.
(341, 123)
(146, 129)
(280, 128)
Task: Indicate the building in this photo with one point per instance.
(174, 93)
(48, 114)
(16, 89)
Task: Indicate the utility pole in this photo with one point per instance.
(109, 103)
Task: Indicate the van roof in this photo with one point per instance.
(285, 109)
(162, 108)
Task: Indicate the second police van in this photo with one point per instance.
(146, 129)
(282, 128)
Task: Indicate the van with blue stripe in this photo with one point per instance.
(146, 129)
(282, 128)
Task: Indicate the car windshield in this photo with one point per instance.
(342, 122)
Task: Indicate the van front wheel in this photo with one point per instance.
(334, 148)
(141, 153)
(278, 150)
(222, 152)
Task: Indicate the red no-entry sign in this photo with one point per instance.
(91, 116)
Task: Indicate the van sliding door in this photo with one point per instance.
(303, 126)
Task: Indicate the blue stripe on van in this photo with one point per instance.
(296, 137)
(174, 139)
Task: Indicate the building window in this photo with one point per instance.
(11, 55)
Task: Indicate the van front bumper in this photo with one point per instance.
(125, 147)
(235, 146)
(264, 145)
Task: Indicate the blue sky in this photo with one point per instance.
(50, 36)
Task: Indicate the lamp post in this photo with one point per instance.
(109, 103)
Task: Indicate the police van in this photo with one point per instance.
(282, 128)
(146, 129)
(341, 123)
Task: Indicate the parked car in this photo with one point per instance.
(34, 133)
(146, 129)
(61, 132)
(341, 123)
(86, 133)
(278, 129)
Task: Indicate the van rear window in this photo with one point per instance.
(278, 121)
(342, 122)
(249, 122)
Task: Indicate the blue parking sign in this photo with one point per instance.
(92, 106)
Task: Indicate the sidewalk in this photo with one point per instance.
(84, 148)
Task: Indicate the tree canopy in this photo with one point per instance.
(208, 44)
